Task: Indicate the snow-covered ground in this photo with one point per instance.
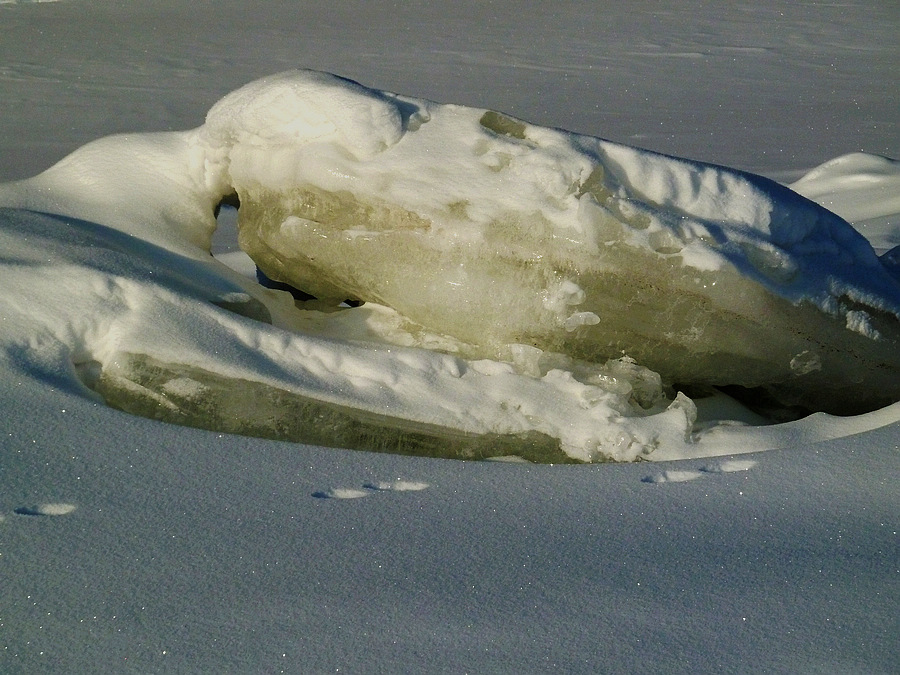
(129, 545)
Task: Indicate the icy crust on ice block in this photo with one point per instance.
(507, 236)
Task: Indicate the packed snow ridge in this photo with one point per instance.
(526, 291)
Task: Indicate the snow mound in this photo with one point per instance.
(864, 189)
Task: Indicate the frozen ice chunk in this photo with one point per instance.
(496, 232)
(157, 334)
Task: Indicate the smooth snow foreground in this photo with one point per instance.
(528, 292)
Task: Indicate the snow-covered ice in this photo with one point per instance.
(546, 271)
(131, 545)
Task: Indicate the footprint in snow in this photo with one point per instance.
(370, 489)
(48, 509)
(684, 475)
(730, 466)
(673, 476)
(397, 486)
(341, 493)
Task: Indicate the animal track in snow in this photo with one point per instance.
(684, 475)
(47, 509)
(341, 493)
(730, 466)
(371, 489)
(673, 476)
(397, 486)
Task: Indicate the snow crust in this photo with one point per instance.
(528, 291)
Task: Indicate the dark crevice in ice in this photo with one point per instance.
(267, 282)
(231, 200)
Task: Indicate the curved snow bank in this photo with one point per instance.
(152, 186)
(864, 189)
(525, 287)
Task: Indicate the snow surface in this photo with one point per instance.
(179, 550)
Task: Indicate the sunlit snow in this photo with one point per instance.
(131, 544)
